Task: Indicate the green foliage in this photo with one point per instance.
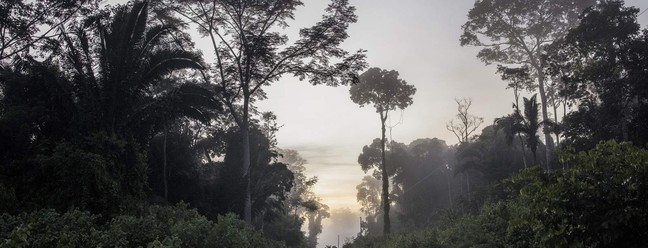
(158, 226)
(600, 202)
(603, 63)
(419, 239)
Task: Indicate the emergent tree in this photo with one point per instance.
(251, 52)
(516, 32)
(386, 91)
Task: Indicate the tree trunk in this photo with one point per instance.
(449, 190)
(523, 150)
(385, 177)
(245, 137)
(555, 108)
(164, 164)
(549, 146)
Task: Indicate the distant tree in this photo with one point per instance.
(315, 218)
(386, 91)
(467, 123)
(424, 181)
(516, 32)
(252, 53)
(301, 201)
(369, 195)
(512, 125)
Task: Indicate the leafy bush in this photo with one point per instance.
(423, 239)
(159, 226)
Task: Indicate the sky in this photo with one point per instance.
(417, 38)
(420, 40)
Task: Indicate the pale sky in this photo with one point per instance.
(419, 39)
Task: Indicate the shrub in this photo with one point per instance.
(159, 226)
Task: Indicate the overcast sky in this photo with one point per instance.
(419, 39)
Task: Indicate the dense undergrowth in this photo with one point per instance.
(154, 226)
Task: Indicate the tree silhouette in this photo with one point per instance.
(251, 53)
(386, 91)
(467, 123)
(530, 125)
(602, 63)
(516, 32)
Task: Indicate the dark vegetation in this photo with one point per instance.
(115, 132)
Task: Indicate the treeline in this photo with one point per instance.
(506, 187)
(111, 121)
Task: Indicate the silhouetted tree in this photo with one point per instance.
(467, 123)
(28, 26)
(251, 53)
(386, 91)
(603, 65)
(106, 107)
(516, 32)
(530, 125)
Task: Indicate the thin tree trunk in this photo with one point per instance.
(385, 178)
(245, 136)
(549, 146)
(164, 164)
(555, 108)
(523, 150)
(449, 190)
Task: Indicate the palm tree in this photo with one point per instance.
(526, 125)
(124, 82)
(530, 124)
(132, 59)
(511, 125)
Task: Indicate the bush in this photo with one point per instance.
(420, 239)
(175, 226)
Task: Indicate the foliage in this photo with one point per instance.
(157, 226)
(418, 239)
(599, 202)
(603, 65)
(515, 33)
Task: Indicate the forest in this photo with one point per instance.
(120, 127)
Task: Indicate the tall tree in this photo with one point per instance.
(102, 110)
(386, 91)
(467, 123)
(252, 53)
(516, 32)
(603, 64)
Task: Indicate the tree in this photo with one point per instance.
(301, 201)
(32, 25)
(467, 123)
(516, 32)
(602, 63)
(99, 105)
(530, 125)
(251, 53)
(386, 91)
